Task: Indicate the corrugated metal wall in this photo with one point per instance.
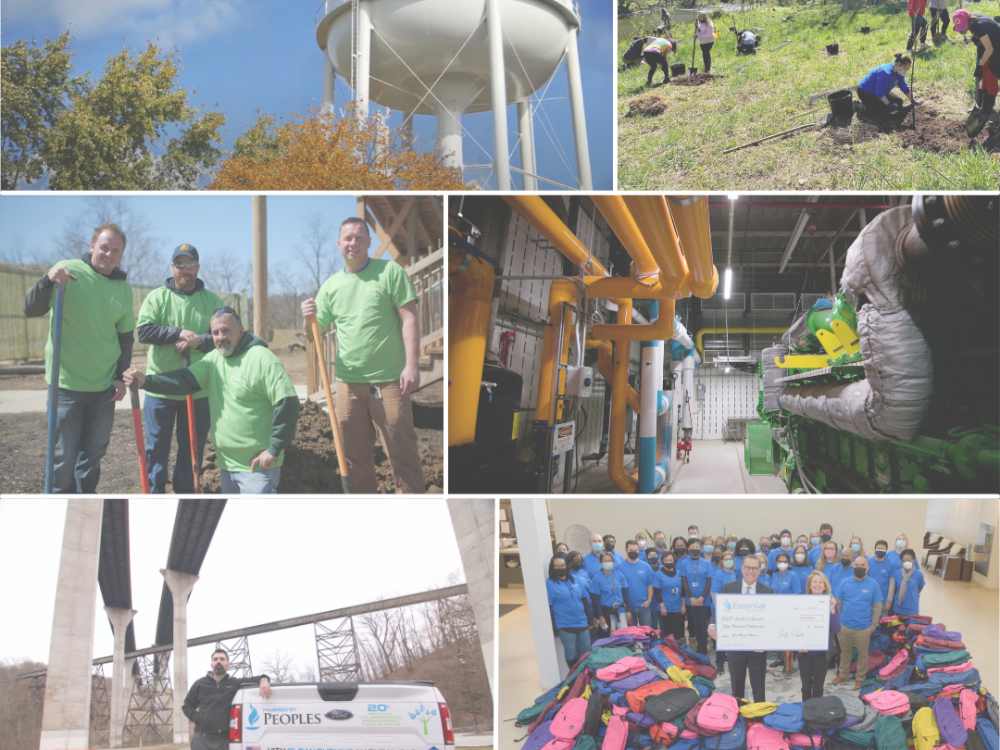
(726, 396)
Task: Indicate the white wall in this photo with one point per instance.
(959, 520)
(872, 519)
(732, 395)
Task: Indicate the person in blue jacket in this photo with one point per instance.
(876, 101)
(785, 542)
(653, 561)
(609, 593)
(837, 573)
(905, 587)
(575, 562)
(726, 572)
(640, 583)
(592, 560)
(860, 604)
(697, 574)
(881, 568)
(569, 604)
(670, 583)
(609, 546)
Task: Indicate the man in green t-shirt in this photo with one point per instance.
(174, 319)
(253, 404)
(373, 304)
(97, 325)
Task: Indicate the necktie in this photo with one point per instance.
(747, 589)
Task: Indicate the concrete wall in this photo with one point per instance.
(959, 519)
(881, 518)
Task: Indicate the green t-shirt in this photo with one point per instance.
(365, 306)
(95, 310)
(192, 312)
(242, 391)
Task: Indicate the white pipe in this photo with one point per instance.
(363, 62)
(576, 109)
(527, 133)
(449, 135)
(329, 85)
(680, 334)
(687, 375)
(498, 96)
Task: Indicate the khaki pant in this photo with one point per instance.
(361, 415)
(850, 639)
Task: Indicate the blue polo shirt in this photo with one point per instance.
(609, 588)
(774, 553)
(911, 602)
(802, 571)
(858, 598)
(582, 578)
(720, 578)
(592, 564)
(566, 600)
(837, 573)
(639, 576)
(671, 590)
(882, 572)
(699, 577)
(785, 583)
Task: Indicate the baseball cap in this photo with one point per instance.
(189, 250)
(960, 20)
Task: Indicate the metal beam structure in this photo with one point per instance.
(239, 657)
(337, 651)
(100, 707)
(150, 710)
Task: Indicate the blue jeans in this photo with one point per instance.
(575, 645)
(640, 615)
(83, 431)
(161, 414)
(654, 616)
(260, 482)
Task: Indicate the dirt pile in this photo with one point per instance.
(649, 104)
(697, 79)
(934, 131)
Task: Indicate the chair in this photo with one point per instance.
(729, 430)
(931, 541)
(930, 559)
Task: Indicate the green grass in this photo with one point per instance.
(681, 149)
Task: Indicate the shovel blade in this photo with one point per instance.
(975, 123)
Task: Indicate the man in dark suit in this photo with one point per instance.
(741, 661)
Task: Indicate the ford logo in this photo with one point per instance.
(338, 715)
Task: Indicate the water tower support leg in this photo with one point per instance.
(449, 133)
(576, 106)
(498, 91)
(408, 130)
(364, 61)
(527, 133)
(329, 84)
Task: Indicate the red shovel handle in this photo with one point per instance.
(139, 439)
(192, 433)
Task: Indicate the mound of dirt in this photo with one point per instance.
(310, 465)
(649, 104)
(696, 80)
(934, 132)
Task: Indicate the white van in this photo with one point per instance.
(341, 716)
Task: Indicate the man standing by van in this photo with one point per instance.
(208, 702)
(373, 304)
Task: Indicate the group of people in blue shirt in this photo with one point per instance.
(670, 588)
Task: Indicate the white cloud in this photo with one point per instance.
(170, 21)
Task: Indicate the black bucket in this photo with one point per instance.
(865, 29)
(825, 23)
(833, 49)
(677, 69)
(841, 103)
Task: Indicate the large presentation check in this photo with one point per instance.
(769, 622)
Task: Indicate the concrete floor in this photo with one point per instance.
(968, 608)
(716, 468)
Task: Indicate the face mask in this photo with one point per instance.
(731, 545)
(709, 550)
(561, 573)
(608, 566)
(633, 555)
(815, 540)
(669, 569)
(695, 554)
(786, 541)
(744, 552)
(826, 537)
(653, 564)
(576, 565)
(642, 544)
(846, 563)
(901, 543)
(597, 547)
(856, 548)
(782, 566)
(879, 554)
(680, 551)
(800, 558)
(829, 553)
(765, 548)
(907, 565)
(727, 564)
(661, 544)
(860, 572)
(609, 546)
(563, 555)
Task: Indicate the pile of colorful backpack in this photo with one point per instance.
(637, 690)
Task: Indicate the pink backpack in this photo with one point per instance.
(895, 665)
(569, 719)
(637, 631)
(718, 714)
(967, 708)
(807, 740)
(621, 668)
(760, 737)
(952, 669)
(558, 743)
(617, 733)
(888, 702)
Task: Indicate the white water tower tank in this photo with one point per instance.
(402, 48)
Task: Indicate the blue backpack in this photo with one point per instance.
(968, 677)
(700, 658)
(734, 739)
(540, 737)
(988, 733)
(787, 718)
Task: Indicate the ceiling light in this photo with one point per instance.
(728, 284)
(734, 197)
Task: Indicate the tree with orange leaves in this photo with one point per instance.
(320, 151)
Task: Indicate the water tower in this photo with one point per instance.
(450, 57)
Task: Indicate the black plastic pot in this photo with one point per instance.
(833, 49)
(677, 69)
(865, 29)
(841, 103)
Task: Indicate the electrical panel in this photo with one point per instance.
(701, 392)
(580, 381)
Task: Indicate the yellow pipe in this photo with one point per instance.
(705, 331)
(612, 207)
(691, 215)
(652, 217)
(544, 219)
(616, 430)
(560, 290)
(472, 283)
(606, 368)
(662, 329)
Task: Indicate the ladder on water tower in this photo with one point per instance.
(355, 14)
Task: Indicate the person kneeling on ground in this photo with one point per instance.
(986, 34)
(655, 53)
(746, 43)
(874, 88)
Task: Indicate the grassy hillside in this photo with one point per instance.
(671, 137)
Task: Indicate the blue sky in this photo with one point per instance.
(218, 225)
(240, 56)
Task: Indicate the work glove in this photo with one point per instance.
(891, 106)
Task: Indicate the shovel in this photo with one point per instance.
(976, 121)
(57, 315)
(139, 440)
(192, 433)
(338, 441)
(821, 122)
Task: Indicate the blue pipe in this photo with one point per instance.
(57, 316)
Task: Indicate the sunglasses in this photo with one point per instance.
(227, 310)
(186, 266)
